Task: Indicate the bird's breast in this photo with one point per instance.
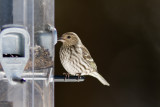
(73, 62)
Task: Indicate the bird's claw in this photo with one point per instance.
(78, 75)
(67, 75)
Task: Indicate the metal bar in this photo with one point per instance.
(56, 78)
(70, 79)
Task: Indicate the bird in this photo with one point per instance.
(76, 59)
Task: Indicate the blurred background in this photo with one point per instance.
(123, 37)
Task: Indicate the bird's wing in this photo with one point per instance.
(88, 58)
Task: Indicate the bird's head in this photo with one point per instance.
(70, 38)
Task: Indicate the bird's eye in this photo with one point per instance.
(68, 37)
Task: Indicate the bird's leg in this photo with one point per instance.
(66, 75)
(78, 75)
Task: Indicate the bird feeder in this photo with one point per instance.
(27, 49)
(27, 41)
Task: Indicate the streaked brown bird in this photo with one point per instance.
(76, 59)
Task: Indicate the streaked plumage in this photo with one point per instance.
(76, 59)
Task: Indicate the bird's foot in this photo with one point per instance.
(78, 75)
(67, 75)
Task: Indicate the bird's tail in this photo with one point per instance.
(99, 77)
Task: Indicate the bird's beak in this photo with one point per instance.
(60, 39)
